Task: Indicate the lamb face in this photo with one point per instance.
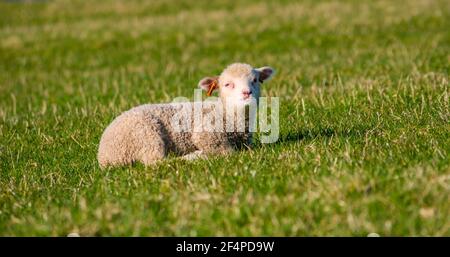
(238, 84)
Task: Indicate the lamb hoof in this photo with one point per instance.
(193, 156)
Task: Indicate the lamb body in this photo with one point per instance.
(146, 133)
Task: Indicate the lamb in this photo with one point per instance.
(148, 133)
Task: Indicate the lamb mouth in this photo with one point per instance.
(248, 99)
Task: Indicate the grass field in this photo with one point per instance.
(364, 130)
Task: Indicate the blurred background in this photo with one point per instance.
(364, 138)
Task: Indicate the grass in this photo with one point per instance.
(364, 131)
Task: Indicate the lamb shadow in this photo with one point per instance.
(311, 134)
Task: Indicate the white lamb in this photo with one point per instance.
(147, 134)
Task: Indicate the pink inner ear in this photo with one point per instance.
(206, 83)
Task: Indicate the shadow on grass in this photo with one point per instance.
(315, 133)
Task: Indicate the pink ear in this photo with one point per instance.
(265, 73)
(209, 84)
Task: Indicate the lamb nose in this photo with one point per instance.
(247, 92)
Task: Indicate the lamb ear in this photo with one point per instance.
(265, 73)
(209, 84)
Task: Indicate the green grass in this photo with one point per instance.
(364, 130)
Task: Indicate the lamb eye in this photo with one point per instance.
(227, 85)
